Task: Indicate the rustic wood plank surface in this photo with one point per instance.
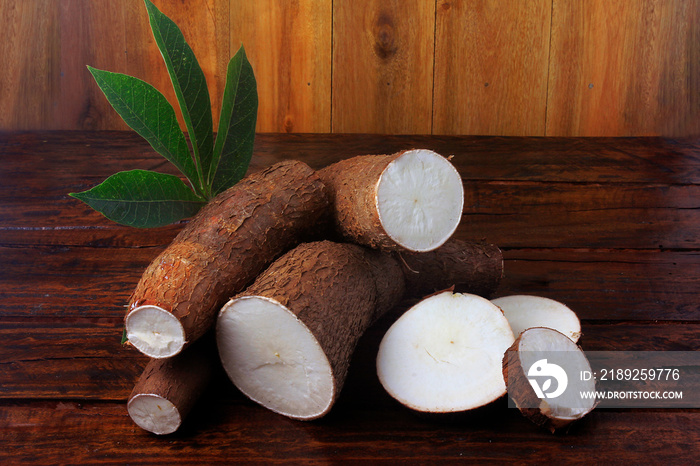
(383, 66)
(86, 29)
(608, 226)
(227, 433)
(314, 58)
(289, 46)
(491, 79)
(620, 68)
(35, 63)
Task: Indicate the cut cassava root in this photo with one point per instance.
(526, 311)
(286, 342)
(538, 357)
(223, 248)
(410, 200)
(444, 354)
(168, 388)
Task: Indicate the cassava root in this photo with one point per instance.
(411, 200)
(168, 388)
(225, 246)
(286, 342)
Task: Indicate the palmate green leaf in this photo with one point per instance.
(142, 198)
(148, 113)
(239, 111)
(189, 84)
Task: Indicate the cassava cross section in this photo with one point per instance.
(444, 354)
(227, 244)
(543, 353)
(286, 342)
(527, 311)
(168, 388)
(411, 200)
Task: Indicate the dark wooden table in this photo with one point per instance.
(610, 227)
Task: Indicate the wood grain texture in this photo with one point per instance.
(580, 218)
(46, 51)
(30, 51)
(204, 23)
(541, 67)
(383, 66)
(628, 284)
(289, 47)
(624, 68)
(649, 186)
(573, 215)
(92, 34)
(491, 62)
(229, 433)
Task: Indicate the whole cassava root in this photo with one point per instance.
(409, 200)
(286, 341)
(168, 388)
(223, 248)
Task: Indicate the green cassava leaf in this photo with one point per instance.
(189, 84)
(148, 113)
(239, 111)
(142, 198)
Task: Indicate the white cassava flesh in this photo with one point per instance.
(420, 199)
(168, 388)
(445, 354)
(273, 358)
(534, 355)
(154, 331)
(154, 414)
(525, 311)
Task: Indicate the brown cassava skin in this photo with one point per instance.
(338, 289)
(335, 290)
(181, 379)
(229, 242)
(522, 394)
(470, 267)
(352, 191)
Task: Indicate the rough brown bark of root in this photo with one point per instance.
(352, 191)
(181, 380)
(229, 242)
(470, 267)
(338, 290)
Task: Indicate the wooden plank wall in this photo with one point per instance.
(517, 67)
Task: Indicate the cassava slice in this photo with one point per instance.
(410, 200)
(538, 357)
(225, 246)
(168, 388)
(525, 311)
(444, 354)
(286, 342)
